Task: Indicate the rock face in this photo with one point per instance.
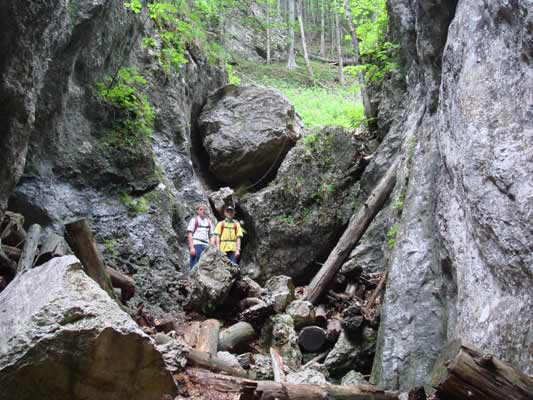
(297, 219)
(246, 131)
(462, 261)
(137, 198)
(352, 353)
(63, 337)
(302, 313)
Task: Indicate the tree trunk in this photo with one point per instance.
(339, 43)
(277, 365)
(208, 337)
(267, 390)
(235, 336)
(214, 363)
(312, 338)
(370, 113)
(356, 228)
(465, 373)
(80, 239)
(125, 283)
(291, 63)
(268, 30)
(302, 35)
(322, 52)
(29, 252)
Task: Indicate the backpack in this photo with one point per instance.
(235, 224)
(196, 225)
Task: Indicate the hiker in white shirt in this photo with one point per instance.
(199, 234)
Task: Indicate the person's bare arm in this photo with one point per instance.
(217, 241)
(191, 244)
(238, 251)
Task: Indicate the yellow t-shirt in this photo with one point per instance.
(228, 237)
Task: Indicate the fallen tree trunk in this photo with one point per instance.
(214, 363)
(125, 283)
(277, 365)
(208, 337)
(467, 373)
(356, 228)
(29, 251)
(236, 335)
(263, 390)
(80, 239)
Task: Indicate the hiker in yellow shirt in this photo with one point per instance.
(228, 234)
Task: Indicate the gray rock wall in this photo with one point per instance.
(461, 265)
(137, 198)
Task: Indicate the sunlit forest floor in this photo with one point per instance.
(321, 101)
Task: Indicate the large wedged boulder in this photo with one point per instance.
(247, 130)
(298, 218)
(62, 337)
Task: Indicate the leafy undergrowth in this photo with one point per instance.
(321, 101)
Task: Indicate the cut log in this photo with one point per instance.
(277, 365)
(214, 363)
(208, 337)
(236, 336)
(53, 246)
(312, 338)
(321, 316)
(12, 252)
(269, 390)
(356, 228)
(334, 330)
(190, 333)
(29, 252)
(464, 372)
(80, 239)
(125, 283)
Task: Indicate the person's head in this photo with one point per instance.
(229, 212)
(201, 210)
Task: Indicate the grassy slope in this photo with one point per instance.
(322, 102)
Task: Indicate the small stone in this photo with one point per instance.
(231, 359)
(354, 378)
(261, 368)
(161, 338)
(306, 376)
(282, 290)
(302, 313)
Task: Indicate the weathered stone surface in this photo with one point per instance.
(245, 141)
(279, 332)
(74, 168)
(211, 280)
(261, 367)
(221, 198)
(352, 353)
(62, 336)
(462, 261)
(306, 376)
(298, 218)
(354, 378)
(229, 358)
(302, 313)
(281, 291)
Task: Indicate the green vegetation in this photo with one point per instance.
(111, 246)
(391, 236)
(135, 205)
(137, 117)
(320, 102)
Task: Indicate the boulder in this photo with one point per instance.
(279, 332)
(221, 198)
(282, 291)
(229, 359)
(352, 320)
(298, 218)
(306, 376)
(63, 337)
(354, 378)
(247, 131)
(211, 281)
(352, 353)
(302, 313)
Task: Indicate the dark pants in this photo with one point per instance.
(198, 248)
(232, 257)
